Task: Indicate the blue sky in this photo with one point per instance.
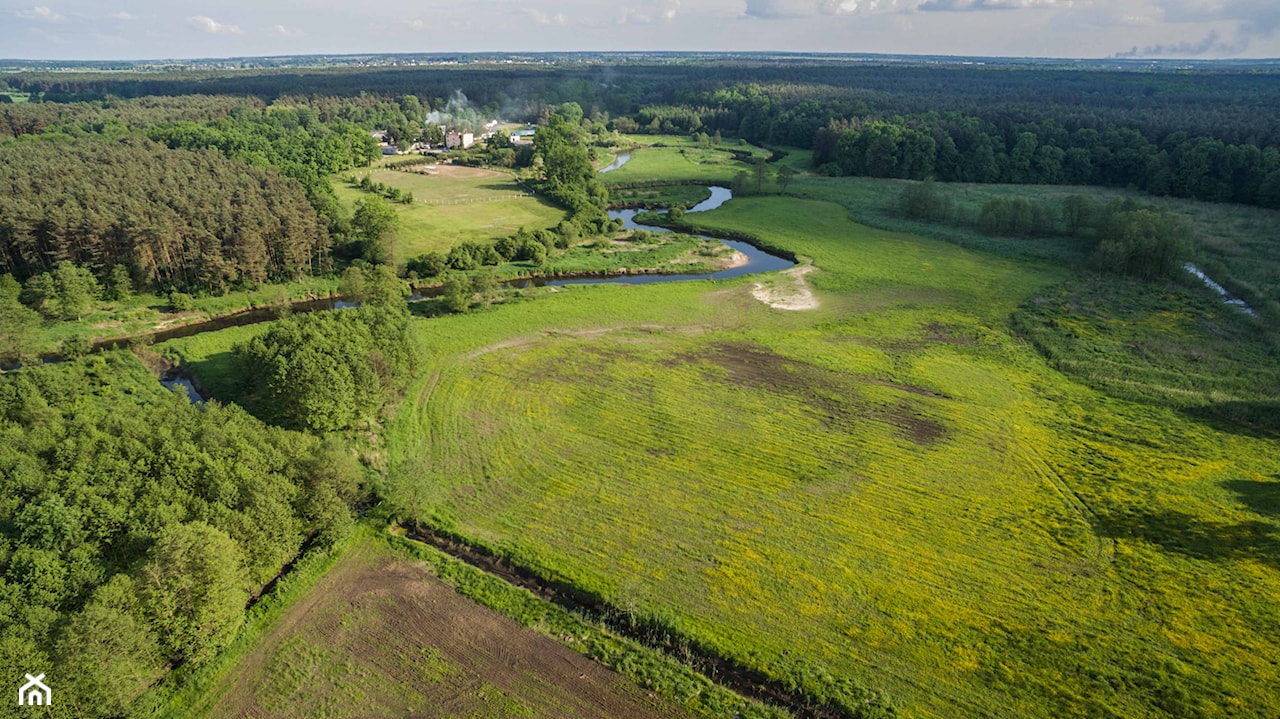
(139, 29)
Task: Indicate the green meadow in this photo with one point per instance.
(666, 159)
(1234, 243)
(895, 487)
(977, 478)
(460, 204)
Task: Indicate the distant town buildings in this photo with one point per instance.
(454, 139)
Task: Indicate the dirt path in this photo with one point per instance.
(380, 636)
(787, 290)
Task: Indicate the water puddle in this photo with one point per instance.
(1227, 297)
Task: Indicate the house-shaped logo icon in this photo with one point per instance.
(34, 693)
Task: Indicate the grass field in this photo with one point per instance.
(457, 204)
(666, 196)
(1235, 243)
(895, 487)
(675, 159)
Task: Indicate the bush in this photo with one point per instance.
(1144, 242)
(923, 201)
(181, 302)
(1017, 217)
(430, 264)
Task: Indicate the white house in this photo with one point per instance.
(34, 693)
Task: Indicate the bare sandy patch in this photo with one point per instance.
(454, 171)
(787, 290)
(737, 259)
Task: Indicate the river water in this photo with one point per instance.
(757, 261)
(622, 159)
(1227, 298)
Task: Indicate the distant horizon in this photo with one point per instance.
(137, 30)
(515, 55)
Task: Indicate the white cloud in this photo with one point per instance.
(282, 31)
(213, 27)
(965, 5)
(652, 12)
(541, 18)
(810, 8)
(41, 14)
(1257, 18)
(122, 15)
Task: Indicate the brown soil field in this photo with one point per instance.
(380, 636)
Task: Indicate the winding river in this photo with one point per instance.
(622, 159)
(758, 261)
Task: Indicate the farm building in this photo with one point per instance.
(454, 139)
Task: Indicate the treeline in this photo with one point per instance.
(953, 148)
(113, 118)
(567, 175)
(395, 194)
(1126, 237)
(533, 246)
(294, 141)
(134, 527)
(751, 95)
(170, 218)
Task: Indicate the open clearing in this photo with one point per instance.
(896, 477)
(379, 636)
(457, 204)
(893, 487)
(683, 163)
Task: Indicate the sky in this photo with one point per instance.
(146, 29)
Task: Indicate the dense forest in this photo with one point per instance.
(190, 220)
(134, 527)
(1205, 134)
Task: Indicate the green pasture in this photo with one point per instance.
(895, 487)
(464, 209)
(655, 164)
(665, 196)
(1234, 243)
(208, 357)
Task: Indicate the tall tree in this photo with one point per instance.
(19, 325)
(784, 176)
(375, 221)
(76, 290)
(193, 588)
